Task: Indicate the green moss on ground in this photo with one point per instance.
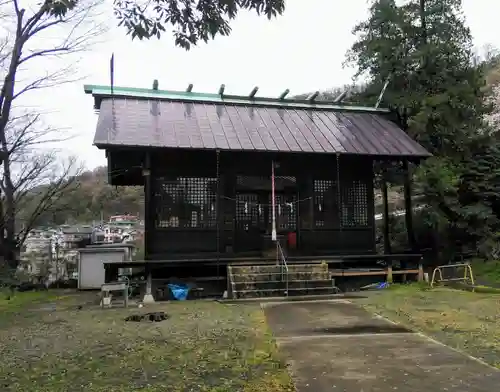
(203, 346)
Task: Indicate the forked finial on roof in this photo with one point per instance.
(221, 89)
(189, 88)
(253, 92)
(284, 94)
(341, 97)
(381, 96)
(313, 96)
(155, 84)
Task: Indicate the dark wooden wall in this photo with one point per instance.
(318, 232)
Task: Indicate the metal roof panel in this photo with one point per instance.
(174, 124)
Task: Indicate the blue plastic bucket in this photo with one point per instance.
(180, 292)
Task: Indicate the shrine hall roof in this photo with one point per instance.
(132, 117)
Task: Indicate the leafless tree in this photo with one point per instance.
(50, 30)
(39, 179)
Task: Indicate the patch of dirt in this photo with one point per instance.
(153, 316)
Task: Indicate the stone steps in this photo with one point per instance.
(273, 268)
(280, 293)
(269, 280)
(292, 275)
(281, 285)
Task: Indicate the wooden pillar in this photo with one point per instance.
(385, 200)
(305, 208)
(219, 208)
(409, 207)
(148, 225)
(230, 229)
(389, 271)
(148, 206)
(420, 270)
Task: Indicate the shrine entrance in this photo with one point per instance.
(254, 210)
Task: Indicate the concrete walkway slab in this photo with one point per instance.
(319, 318)
(341, 347)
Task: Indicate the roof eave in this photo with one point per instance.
(413, 157)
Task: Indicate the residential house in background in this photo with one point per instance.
(52, 253)
(74, 237)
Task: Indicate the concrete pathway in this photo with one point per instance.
(337, 346)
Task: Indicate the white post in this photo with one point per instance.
(148, 296)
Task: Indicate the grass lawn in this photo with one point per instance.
(488, 271)
(464, 320)
(203, 346)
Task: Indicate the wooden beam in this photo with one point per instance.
(221, 89)
(385, 200)
(340, 273)
(253, 92)
(189, 88)
(313, 96)
(284, 94)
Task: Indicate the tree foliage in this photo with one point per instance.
(192, 20)
(437, 88)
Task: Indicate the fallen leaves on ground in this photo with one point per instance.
(203, 346)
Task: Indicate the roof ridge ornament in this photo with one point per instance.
(311, 102)
(284, 94)
(313, 96)
(253, 92)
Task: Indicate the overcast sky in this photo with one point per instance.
(302, 50)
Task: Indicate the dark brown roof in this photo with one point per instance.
(161, 123)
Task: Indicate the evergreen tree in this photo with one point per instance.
(424, 50)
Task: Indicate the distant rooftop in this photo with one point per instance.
(100, 92)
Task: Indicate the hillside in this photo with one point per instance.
(95, 200)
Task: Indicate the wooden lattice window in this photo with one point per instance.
(186, 202)
(325, 204)
(249, 214)
(355, 204)
(286, 211)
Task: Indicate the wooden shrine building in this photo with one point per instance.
(206, 161)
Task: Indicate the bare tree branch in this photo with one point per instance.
(32, 180)
(46, 197)
(53, 79)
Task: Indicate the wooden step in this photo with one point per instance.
(279, 293)
(281, 285)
